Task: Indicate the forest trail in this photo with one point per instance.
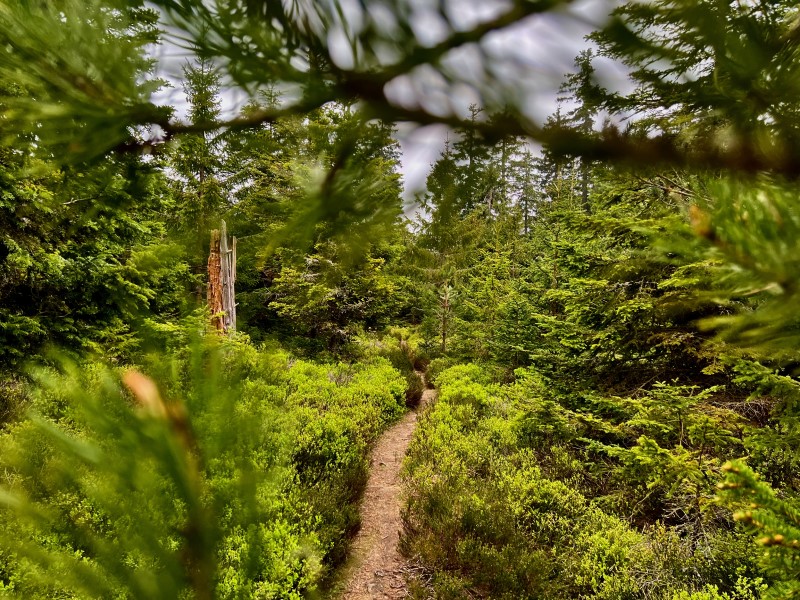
(378, 570)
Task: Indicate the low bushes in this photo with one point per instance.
(237, 478)
(402, 347)
(504, 502)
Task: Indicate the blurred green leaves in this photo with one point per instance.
(225, 472)
(753, 230)
(728, 70)
(121, 468)
(82, 74)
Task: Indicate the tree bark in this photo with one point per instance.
(228, 277)
(221, 279)
(215, 305)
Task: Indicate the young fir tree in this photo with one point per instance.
(198, 160)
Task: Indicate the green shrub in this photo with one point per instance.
(402, 348)
(495, 508)
(437, 366)
(237, 477)
(13, 398)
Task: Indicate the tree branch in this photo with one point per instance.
(422, 55)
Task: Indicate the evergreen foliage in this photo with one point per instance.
(611, 321)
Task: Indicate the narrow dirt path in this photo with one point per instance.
(378, 569)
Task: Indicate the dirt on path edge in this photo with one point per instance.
(376, 569)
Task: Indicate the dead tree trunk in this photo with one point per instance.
(215, 283)
(228, 267)
(444, 308)
(221, 279)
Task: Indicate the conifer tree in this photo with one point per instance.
(198, 159)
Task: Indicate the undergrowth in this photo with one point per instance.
(517, 492)
(227, 472)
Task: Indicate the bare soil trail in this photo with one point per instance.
(378, 570)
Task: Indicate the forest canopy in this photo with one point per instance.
(727, 66)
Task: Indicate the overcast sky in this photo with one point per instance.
(542, 49)
(532, 57)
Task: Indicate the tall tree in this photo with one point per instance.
(198, 158)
